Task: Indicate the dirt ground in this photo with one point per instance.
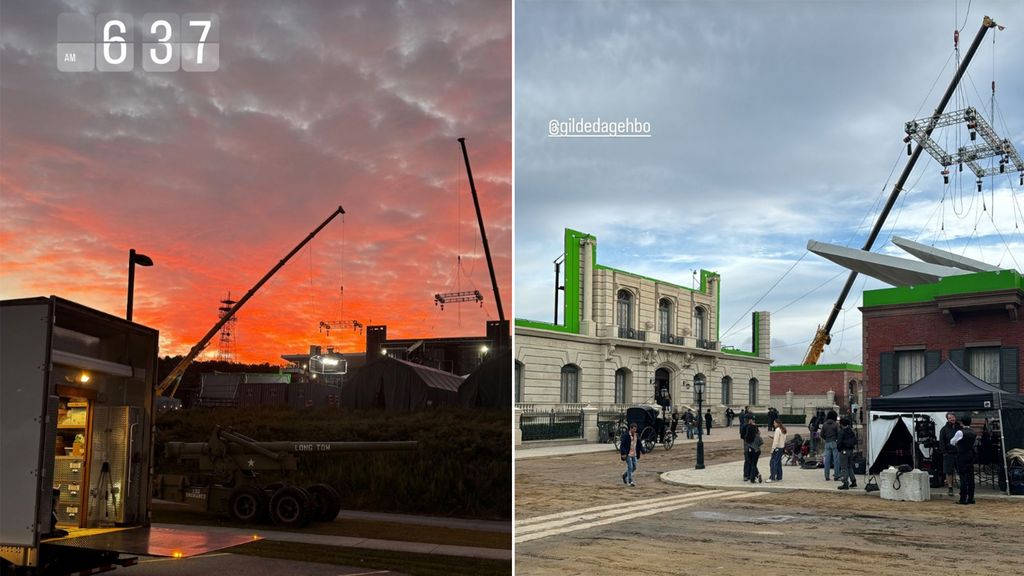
(794, 532)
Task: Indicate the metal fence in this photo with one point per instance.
(551, 425)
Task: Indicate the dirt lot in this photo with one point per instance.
(792, 532)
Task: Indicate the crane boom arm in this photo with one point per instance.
(174, 378)
(822, 336)
(483, 233)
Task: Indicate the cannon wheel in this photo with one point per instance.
(247, 504)
(326, 502)
(289, 507)
(273, 487)
(648, 436)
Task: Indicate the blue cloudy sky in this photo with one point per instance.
(772, 123)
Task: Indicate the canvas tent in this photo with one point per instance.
(490, 385)
(948, 388)
(394, 384)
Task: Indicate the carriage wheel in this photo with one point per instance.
(648, 436)
(619, 431)
(670, 439)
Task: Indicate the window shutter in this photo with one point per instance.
(932, 359)
(957, 357)
(886, 373)
(1009, 369)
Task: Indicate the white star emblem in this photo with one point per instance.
(252, 463)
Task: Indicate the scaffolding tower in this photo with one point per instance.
(226, 352)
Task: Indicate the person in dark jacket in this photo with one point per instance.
(630, 449)
(707, 421)
(830, 436)
(963, 440)
(948, 451)
(847, 444)
(729, 415)
(753, 443)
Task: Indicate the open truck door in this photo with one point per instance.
(77, 393)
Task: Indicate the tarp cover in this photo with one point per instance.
(394, 384)
(490, 385)
(948, 387)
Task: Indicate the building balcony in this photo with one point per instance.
(671, 339)
(707, 344)
(632, 334)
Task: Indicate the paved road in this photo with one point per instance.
(574, 516)
(234, 564)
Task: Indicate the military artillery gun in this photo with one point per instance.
(232, 468)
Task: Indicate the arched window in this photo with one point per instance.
(727, 390)
(570, 384)
(665, 318)
(622, 378)
(520, 381)
(753, 392)
(624, 309)
(699, 323)
(662, 388)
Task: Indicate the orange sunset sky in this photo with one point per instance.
(216, 176)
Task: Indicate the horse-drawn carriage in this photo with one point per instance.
(651, 428)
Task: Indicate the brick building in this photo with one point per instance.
(973, 319)
(796, 387)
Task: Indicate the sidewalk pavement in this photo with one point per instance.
(352, 542)
(730, 476)
(525, 450)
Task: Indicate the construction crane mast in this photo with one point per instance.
(474, 295)
(173, 379)
(823, 335)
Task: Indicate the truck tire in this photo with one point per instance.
(326, 502)
(290, 507)
(247, 504)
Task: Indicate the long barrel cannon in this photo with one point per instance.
(248, 479)
(226, 443)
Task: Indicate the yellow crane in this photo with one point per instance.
(822, 336)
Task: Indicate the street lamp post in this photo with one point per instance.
(133, 259)
(699, 385)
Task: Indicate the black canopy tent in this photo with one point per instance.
(950, 388)
(490, 385)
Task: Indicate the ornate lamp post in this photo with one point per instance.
(699, 385)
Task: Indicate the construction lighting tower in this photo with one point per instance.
(457, 297)
(921, 131)
(991, 145)
(226, 352)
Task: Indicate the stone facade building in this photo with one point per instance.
(628, 339)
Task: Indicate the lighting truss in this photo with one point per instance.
(457, 297)
(990, 147)
(326, 325)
